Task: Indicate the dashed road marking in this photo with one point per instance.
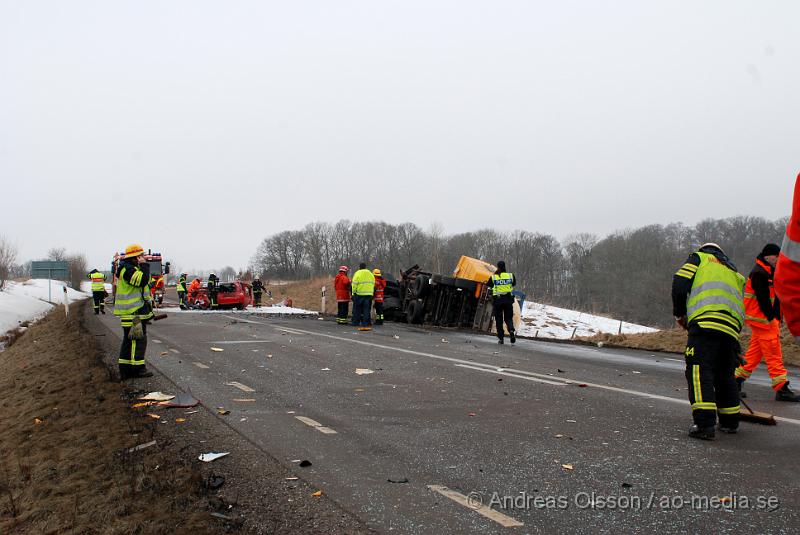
(201, 365)
(316, 425)
(240, 386)
(474, 502)
(229, 342)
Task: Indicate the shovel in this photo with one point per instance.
(756, 417)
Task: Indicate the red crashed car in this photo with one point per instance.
(236, 294)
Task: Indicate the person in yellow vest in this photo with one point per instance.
(707, 302)
(502, 284)
(98, 291)
(363, 285)
(133, 306)
(763, 315)
(181, 288)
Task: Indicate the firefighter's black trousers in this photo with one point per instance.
(257, 299)
(503, 312)
(99, 299)
(131, 354)
(341, 314)
(710, 366)
(212, 296)
(379, 313)
(182, 299)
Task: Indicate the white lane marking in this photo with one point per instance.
(676, 360)
(474, 503)
(495, 367)
(290, 331)
(498, 372)
(175, 351)
(221, 342)
(240, 386)
(316, 425)
(201, 365)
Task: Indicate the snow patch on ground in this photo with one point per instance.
(547, 321)
(27, 301)
(252, 311)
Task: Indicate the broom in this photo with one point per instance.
(756, 417)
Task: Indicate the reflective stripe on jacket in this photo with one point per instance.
(380, 286)
(753, 315)
(129, 301)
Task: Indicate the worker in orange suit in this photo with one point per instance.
(342, 286)
(787, 272)
(378, 296)
(763, 315)
(194, 287)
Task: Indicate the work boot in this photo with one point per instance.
(102, 311)
(500, 341)
(144, 374)
(740, 382)
(729, 430)
(513, 337)
(702, 433)
(786, 394)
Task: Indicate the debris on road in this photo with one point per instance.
(317, 494)
(180, 420)
(567, 467)
(396, 337)
(401, 480)
(156, 396)
(445, 341)
(143, 404)
(223, 411)
(292, 478)
(635, 372)
(364, 371)
(181, 401)
(626, 485)
(164, 353)
(217, 349)
(154, 416)
(304, 463)
(269, 356)
(212, 456)
(37, 421)
(471, 414)
(244, 400)
(325, 370)
(142, 446)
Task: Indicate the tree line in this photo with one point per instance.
(626, 275)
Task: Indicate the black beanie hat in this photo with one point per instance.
(771, 249)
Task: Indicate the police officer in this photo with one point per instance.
(181, 288)
(502, 284)
(258, 289)
(98, 291)
(133, 306)
(707, 294)
(212, 286)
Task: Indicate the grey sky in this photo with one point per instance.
(220, 123)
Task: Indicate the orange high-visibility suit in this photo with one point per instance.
(763, 315)
(787, 272)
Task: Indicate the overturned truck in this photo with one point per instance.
(460, 301)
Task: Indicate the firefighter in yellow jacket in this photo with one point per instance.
(133, 305)
(707, 301)
(98, 291)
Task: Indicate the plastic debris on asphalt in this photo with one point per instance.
(154, 416)
(567, 467)
(217, 349)
(142, 446)
(212, 456)
(363, 371)
(156, 396)
(182, 400)
(317, 494)
(304, 463)
(223, 411)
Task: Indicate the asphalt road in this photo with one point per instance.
(501, 425)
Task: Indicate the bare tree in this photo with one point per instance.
(8, 255)
(58, 254)
(77, 269)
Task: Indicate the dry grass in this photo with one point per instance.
(305, 294)
(674, 341)
(64, 465)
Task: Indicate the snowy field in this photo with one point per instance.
(27, 301)
(545, 321)
(264, 310)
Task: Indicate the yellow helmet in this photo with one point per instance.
(376, 272)
(133, 250)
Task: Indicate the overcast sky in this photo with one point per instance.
(198, 128)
